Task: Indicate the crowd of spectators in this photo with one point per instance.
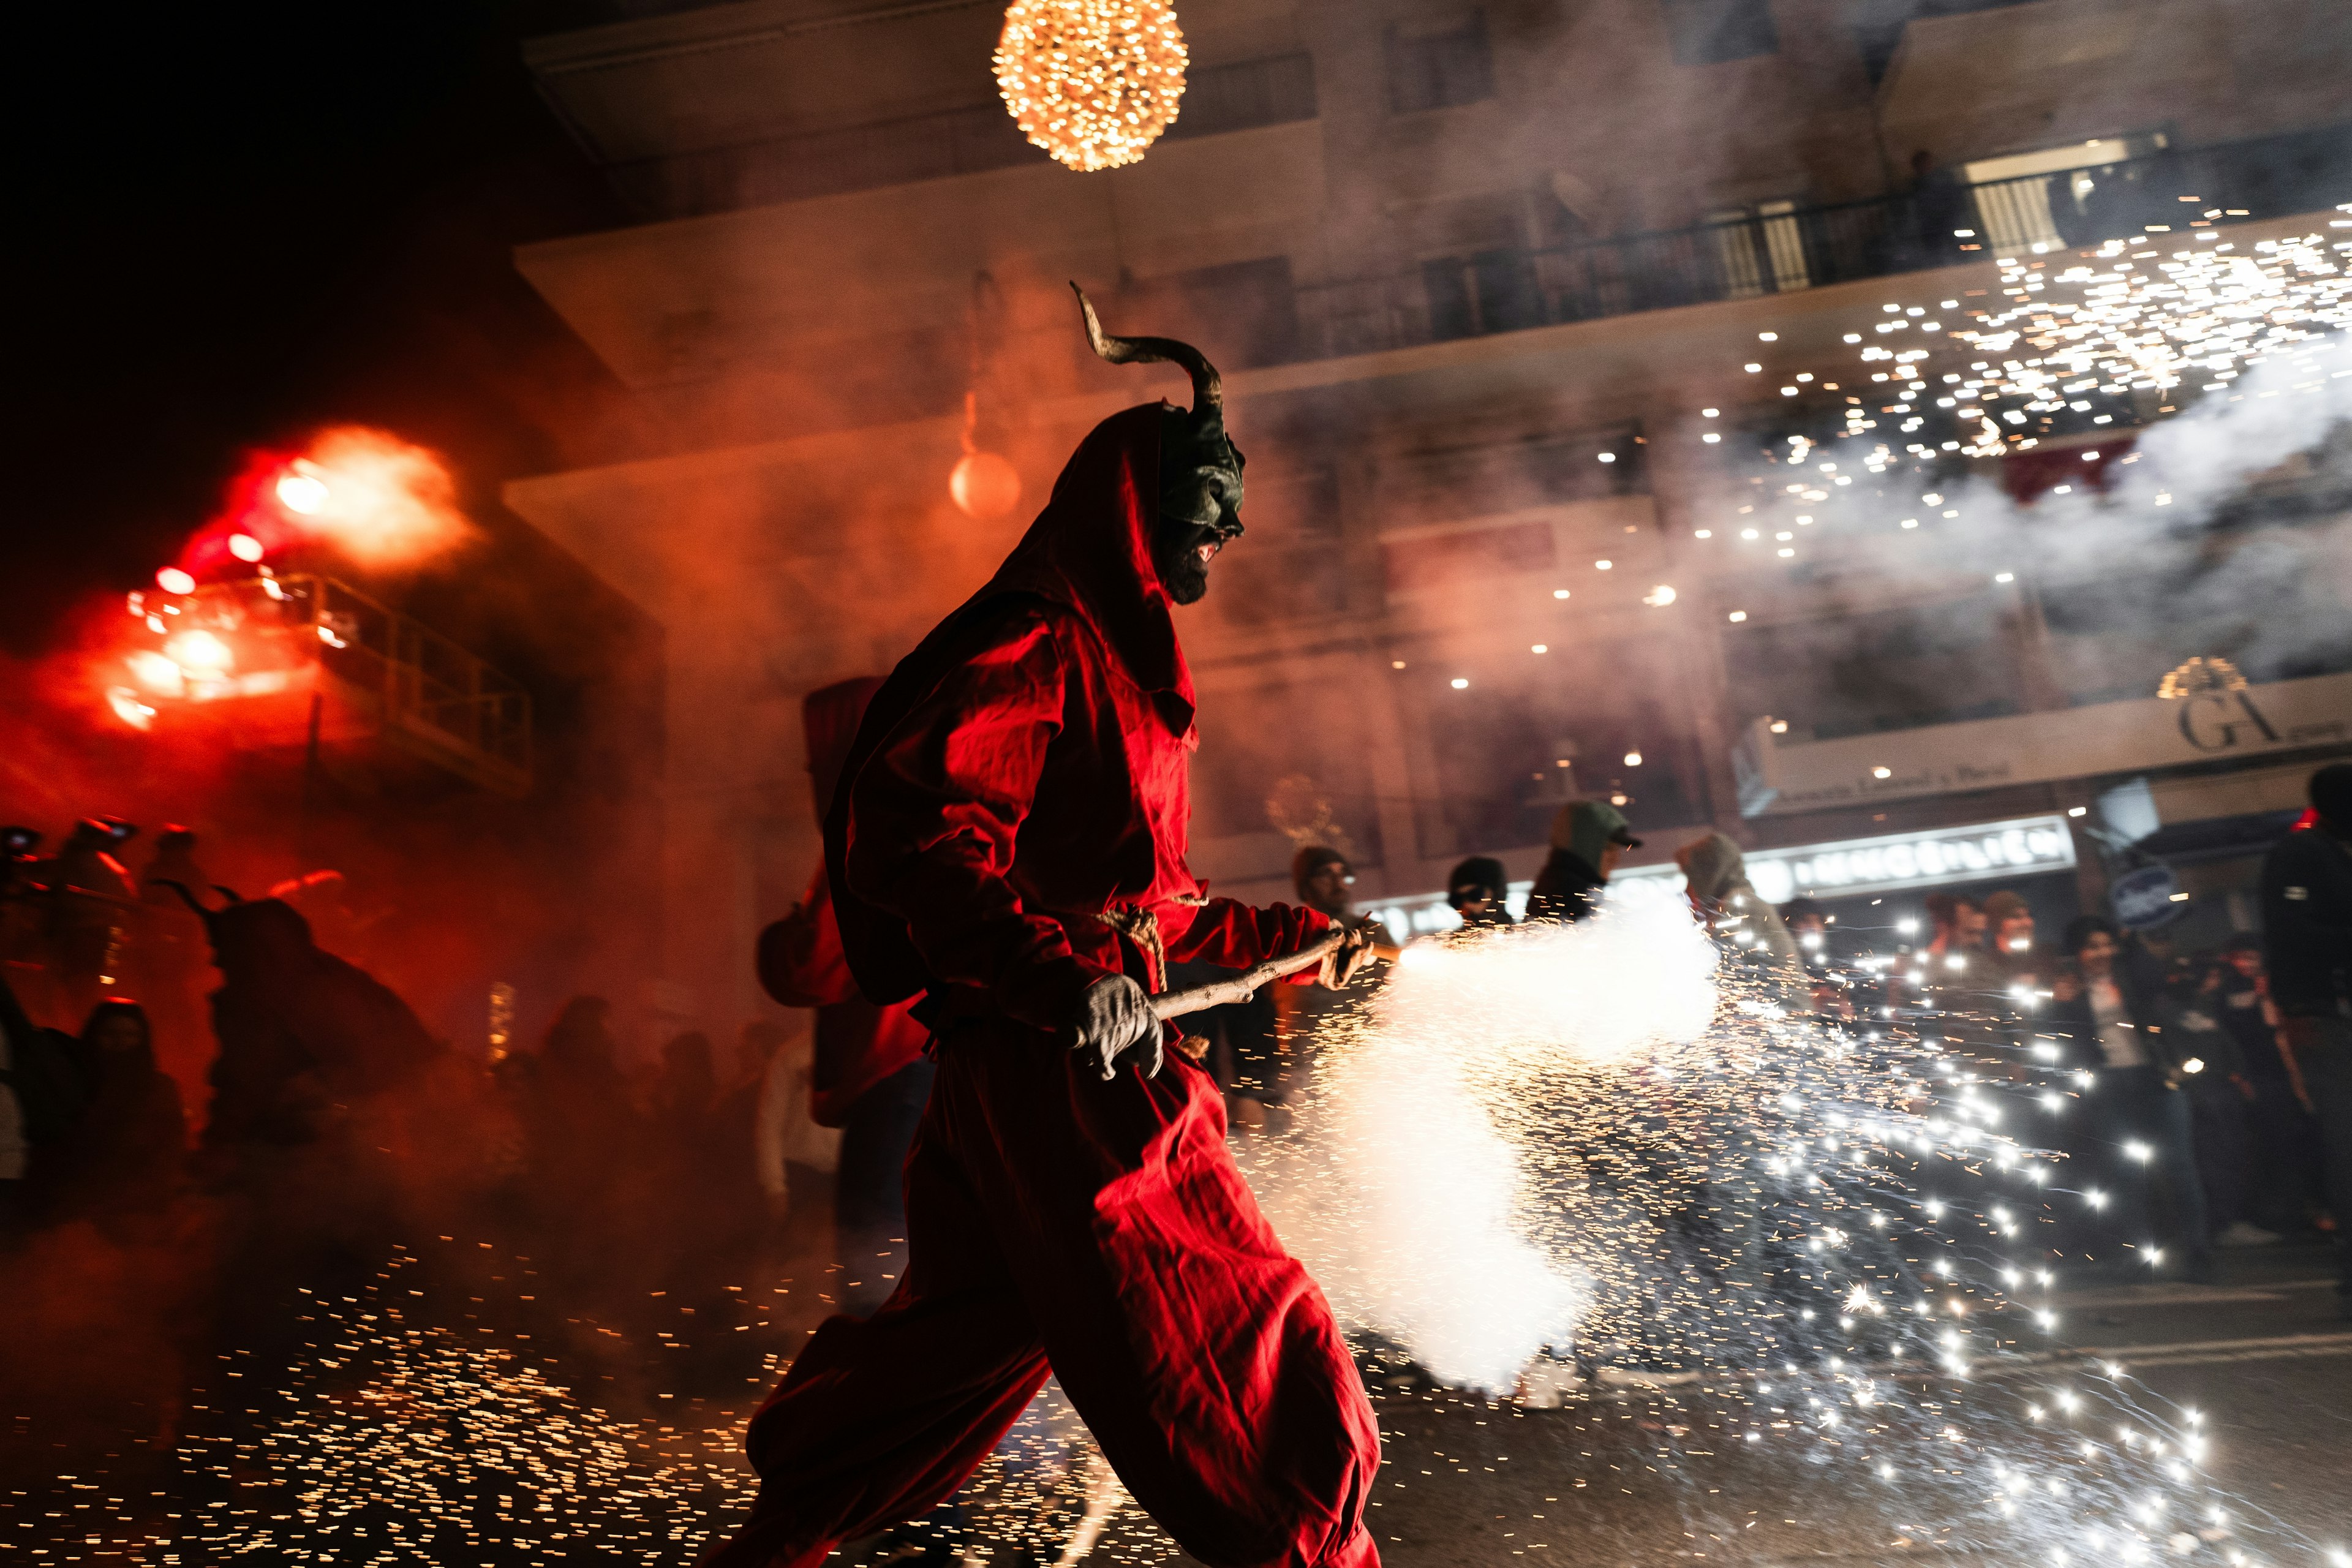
(2206, 1095)
(316, 1126)
(2206, 1092)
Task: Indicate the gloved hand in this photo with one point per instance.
(1341, 964)
(1112, 1019)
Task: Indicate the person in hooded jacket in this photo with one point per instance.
(306, 1038)
(1587, 837)
(89, 905)
(1008, 839)
(1715, 874)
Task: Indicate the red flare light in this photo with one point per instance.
(199, 653)
(129, 708)
(157, 673)
(301, 490)
(171, 580)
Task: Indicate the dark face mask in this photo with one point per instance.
(1200, 502)
(1200, 470)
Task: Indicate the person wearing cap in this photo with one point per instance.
(1587, 837)
(1477, 890)
(1324, 881)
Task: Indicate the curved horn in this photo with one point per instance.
(231, 894)
(1208, 387)
(186, 897)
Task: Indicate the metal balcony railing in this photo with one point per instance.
(440, 693)
(409, 684)
(1783, 247)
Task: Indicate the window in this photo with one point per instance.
(1248, 93)
(1437, 70)
(1493, 292)
(1710, 32)
(1759, 253)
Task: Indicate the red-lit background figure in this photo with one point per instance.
(871, 1077)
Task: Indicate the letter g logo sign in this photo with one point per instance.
(2212, 720)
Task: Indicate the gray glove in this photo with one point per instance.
(1341, 964)
(1113, 1019)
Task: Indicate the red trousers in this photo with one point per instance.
(1098, 1231)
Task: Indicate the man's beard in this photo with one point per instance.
(1176, 546)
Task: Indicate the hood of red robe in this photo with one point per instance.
(1089, 551)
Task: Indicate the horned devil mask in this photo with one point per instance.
(1200, 467)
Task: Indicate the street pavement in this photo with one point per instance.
(1615, 1476)
(1624, 1476)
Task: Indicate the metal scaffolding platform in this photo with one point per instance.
(308, 660)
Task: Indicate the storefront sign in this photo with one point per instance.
(2022, 846)
(1936, 858)
(1778, 776)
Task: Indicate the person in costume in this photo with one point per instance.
(1007, 840)
(871, 1077)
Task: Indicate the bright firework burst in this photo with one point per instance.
(2063, 349)
(1586, 1161)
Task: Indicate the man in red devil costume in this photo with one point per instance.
(1008, 839)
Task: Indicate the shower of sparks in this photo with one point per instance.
(425, 1424)
(1766, 1261)
(1821, 1241)
(2063, 347)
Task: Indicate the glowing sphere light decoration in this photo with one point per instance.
(1094, 83)
(984, 486)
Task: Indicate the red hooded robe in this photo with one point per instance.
(1024, 770)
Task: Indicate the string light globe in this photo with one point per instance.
(1094, 83)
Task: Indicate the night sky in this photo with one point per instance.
(247, 223)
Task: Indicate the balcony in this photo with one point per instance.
(1783, 247)
(301, 662)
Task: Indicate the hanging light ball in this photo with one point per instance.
(1094, 83)
(985, 485)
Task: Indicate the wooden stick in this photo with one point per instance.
(1243, 986)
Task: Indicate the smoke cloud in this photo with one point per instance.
(1406, 1187)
